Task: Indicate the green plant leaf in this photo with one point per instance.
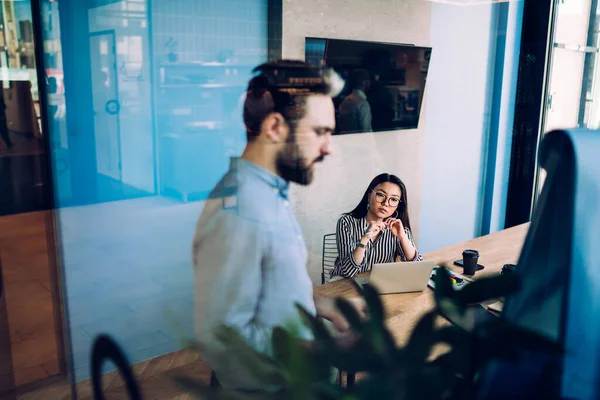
(375, 342)
(375, 307)
(358, 358)
(350, 313)
(303, 368)
(260, 367)
(452, 335)
(419, 344)
(454, 362)
(322, 336)
(443, 284)
(383, 343)
(488, 288)
(283, 347)
(445, 295)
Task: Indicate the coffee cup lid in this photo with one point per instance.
(471, 253)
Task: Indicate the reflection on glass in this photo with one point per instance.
(573, 91)
(30, 332)
(22, 158)
(145, 112)
(384, 82)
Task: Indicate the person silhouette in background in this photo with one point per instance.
(3, 123)
(381, 101)
(379, 63)
(354, 114)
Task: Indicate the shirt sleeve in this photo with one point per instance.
(346, 244)
(228, 259)
(400, 250)
(363, 115)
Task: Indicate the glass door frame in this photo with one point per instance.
(539, 18)
(591, 53)
(54, 255)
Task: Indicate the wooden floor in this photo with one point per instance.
(29, 334)
(31, 341)
(154, 379)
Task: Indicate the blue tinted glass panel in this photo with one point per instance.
(145, 112)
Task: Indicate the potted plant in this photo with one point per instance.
(389, 372)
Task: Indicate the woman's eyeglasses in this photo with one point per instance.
(381, 198)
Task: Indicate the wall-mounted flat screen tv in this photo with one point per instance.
(385, 82)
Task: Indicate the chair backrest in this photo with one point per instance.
(330, 254)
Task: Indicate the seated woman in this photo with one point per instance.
(377, 230)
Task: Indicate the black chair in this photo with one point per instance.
(330, 254)
(106, 349)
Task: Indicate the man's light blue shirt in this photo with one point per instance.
(250, 267)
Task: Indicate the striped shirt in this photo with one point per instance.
(384, 249)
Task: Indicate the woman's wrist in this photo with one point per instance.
(405, 241)
(364, 240)
(403, 236)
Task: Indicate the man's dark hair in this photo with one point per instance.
(282, 86)
(358, 77)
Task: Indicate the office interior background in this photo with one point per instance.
(123, 114)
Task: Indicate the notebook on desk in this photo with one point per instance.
(398, 277)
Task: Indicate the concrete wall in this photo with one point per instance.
(342, 179)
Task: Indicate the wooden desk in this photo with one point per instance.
(404, 310)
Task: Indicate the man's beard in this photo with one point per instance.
(293, 167)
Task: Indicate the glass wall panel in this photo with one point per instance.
(144, 106)
(573, 91)
(145, 111)
(31, 336)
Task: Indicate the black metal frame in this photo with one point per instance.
(6, 361)
(536, 39)
(52, 223)
(590, 58)
(274, 30)
(326, 252)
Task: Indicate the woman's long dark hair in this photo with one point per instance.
(360, 211)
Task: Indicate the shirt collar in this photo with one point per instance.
(276, 182)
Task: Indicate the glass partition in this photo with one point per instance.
(144, 105)
(144, 110)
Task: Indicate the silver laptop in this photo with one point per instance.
(399, 277)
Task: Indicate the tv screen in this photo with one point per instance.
(385, 82)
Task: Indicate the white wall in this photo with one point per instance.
(442, 162)
(342, 179)
(459, 85)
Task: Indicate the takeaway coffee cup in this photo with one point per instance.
(508, 268)
(470, 258)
